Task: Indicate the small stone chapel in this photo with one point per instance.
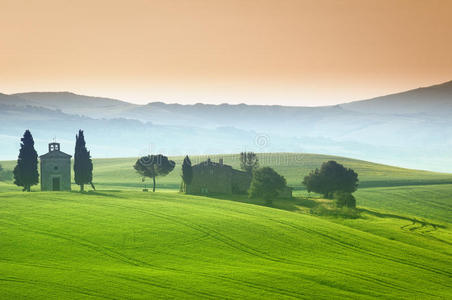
(55, 169)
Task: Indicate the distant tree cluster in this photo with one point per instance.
(333, 180)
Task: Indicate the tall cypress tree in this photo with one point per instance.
(187, 172)
(83, 166)
(26, 171)
(249, 161)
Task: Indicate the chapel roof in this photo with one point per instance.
(55, 154)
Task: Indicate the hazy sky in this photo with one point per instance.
(264, 52)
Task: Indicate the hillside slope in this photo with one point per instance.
(70, 103)
(433, 100)
(136, 245)
(413, 193)
(412, 129)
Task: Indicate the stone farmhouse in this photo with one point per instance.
(217, 178)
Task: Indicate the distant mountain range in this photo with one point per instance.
(412, 129)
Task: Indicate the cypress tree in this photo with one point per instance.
(26, 171)
(249, 161)
(187, 172)
(83, 166)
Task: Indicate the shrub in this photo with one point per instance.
(344, 199)
(266, 184)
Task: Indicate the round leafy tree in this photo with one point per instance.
(332, 177)
(266, 184)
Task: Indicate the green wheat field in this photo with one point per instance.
(119, 242)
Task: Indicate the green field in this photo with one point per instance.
(118, 173)
(119, 242)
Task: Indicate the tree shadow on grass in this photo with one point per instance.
(289, 204)
(297, 204)
(388, 215)
(104, 193)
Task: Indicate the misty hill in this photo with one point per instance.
(201, 115)
(112, 137)
(433, 100)
(12, 100)
(410, 129)
(71, 103)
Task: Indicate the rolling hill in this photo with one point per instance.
(131, 244)
(119, 242)
(410, 129)
(434, 100)
(408, 192)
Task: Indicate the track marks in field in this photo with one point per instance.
(116, 255)
(239, 246)
(353, 247)
(63, 287)
(162, 285)
(232, 243)
(140, 263)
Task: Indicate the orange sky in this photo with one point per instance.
(264, 52)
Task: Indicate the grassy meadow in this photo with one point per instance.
(119, 242)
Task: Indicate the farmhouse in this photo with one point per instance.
(217, 178)
(55, 169)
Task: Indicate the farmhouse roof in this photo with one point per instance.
(209, 163)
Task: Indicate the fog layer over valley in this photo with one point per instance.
(411, 129)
